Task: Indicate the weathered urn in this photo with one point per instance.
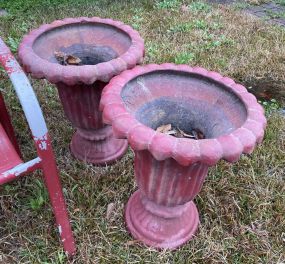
(80, 56)
(170, 171)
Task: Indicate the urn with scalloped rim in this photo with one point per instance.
(170, 171)
(101, 49)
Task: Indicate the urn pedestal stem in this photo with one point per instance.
(161, 213)
(93, 141)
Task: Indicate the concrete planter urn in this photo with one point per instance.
(80, 56)
(170, 171)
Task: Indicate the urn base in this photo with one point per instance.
(98, 147)
(161, 226)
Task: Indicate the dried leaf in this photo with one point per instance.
(72, 60)
(164, 128)
(200, 135)
(110, 209)
(186, 135)
(171, 132)
(179, 133)
(132, 242)
(66, 59)
(60, 57)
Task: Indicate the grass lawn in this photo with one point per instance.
(241, 205)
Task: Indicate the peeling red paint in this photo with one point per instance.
(42, 143)
(11, 166)
(10, 64)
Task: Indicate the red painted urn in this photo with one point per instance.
(80, 56)
(170, 170)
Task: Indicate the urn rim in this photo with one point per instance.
(86, 74)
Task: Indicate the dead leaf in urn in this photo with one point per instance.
(72, 60)
(60, 56)
(179, 133)
(66, 59)
(185, 134)
(164, 128)
(200, 134)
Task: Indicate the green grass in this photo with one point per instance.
(274, 15)
(280, 2)
(241, 205)
(167, 4)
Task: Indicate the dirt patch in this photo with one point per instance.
(266, 88)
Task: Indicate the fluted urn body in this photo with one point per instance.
(80, 56)
(170, 170)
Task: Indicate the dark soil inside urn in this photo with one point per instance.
(190, 116)
(189, 101)
(89, 54)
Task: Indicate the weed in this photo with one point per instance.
(152, 49)
(195, 24)
(184, 58)
(13, 44)
(186, 27)
(137, 19)
(280, 2)
(270, 106)
(275, 15)
(240, 5)
(10, 188)
(167, 4)
(200, 24)
(199, 6)
(39, 195)
(24, 27)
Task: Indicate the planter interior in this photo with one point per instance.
(92, 43)
(185, 100)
